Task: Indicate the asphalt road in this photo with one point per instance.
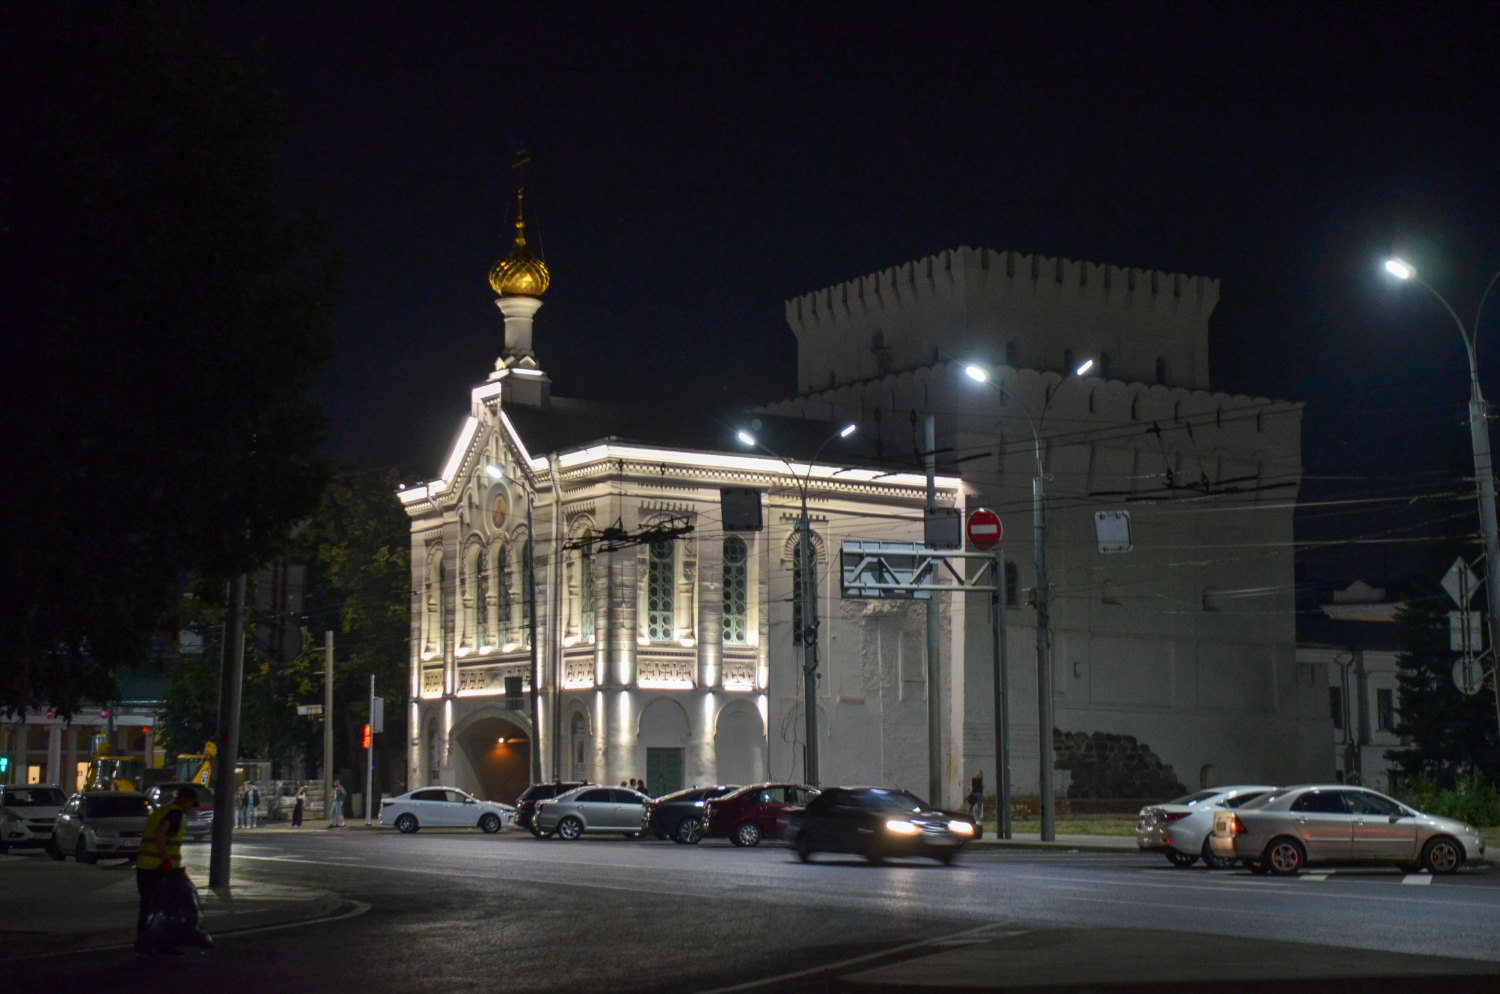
(458, 912)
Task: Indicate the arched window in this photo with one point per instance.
(1012, 584)
(505, 621)
(482, 601)
(736, 591)
(579, 734)
(586, 594)
(528, 581)
(661, 607)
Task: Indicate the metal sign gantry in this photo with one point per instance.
(910, 571)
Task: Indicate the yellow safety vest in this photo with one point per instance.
(150, 857)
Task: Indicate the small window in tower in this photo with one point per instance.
(1385, 710)
(1104, 365)
(1161, 370)
(1012, 355)
(1068, 361)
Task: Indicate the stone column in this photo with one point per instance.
(710, 616)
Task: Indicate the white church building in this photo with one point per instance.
(677, 661)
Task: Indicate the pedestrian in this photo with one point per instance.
(976, 798)
(624, 783)
(239, 806)
(159, 857)
(336, 806)
(297, 807)
(252, 804)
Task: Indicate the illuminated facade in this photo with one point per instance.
(671, 662)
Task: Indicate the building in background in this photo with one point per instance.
(42, 747)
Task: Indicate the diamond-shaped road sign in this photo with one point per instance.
(1460, 582)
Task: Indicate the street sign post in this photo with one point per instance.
(1112, 531)
(1465, 634)
(985, 532)
(984, 529)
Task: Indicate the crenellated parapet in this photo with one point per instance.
(1025, 310)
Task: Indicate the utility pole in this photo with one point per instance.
(370, 757)
(809, 573)
(934, 646)
(1043, 645)
(1002, 698)
(231, 673)
(328, 723)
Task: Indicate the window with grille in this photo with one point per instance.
(503, 604)
(528, 580)
(482, 599)
(736, 592)
(797, 623)
(1385, 710)
(586, 594)
(661, 620)
(1012, 585)
(1336, 707)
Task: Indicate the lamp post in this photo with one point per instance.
(1479, 437)
(1043, 629)
(807, 567)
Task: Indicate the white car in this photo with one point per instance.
(1182, 829)
(592, 810)
(100, 824)
(27, 815)
(444, 807)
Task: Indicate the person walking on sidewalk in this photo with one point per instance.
(160, 855)
(336, 806)
(976, 798)
(297, 808)
(252, 804)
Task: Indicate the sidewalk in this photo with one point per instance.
(54, 907)
(1126, 961)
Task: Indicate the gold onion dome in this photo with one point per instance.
(521, 273)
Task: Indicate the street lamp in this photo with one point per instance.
(806, 564)
(1479, 437)
(1039, 557)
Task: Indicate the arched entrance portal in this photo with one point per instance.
(493, 759)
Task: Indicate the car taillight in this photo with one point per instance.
(1171, 815)
(383, 803)
(1236, 827)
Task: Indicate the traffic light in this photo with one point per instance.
(4, 767)
(366, 743)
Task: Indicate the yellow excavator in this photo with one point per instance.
(198, 768)
(110, 772)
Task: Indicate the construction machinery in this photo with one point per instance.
(198, 768)
(107, 771)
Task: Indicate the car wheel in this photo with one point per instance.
(407, 824)
(1442, 855)
(875, 857)
(804, 850)
(81, 852)
(1211, 861)
(747, 834)
(1181, 860)
(490, 824)
(1284, 856)
(569, 829)
(945, 857)
(54, 850)
(689, 832)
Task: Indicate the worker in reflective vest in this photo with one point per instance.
(161, 850)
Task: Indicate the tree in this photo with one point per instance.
(169, 313)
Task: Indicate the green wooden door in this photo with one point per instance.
(663, 771)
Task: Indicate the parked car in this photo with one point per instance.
(537, 792)
(200, 823)
(876, 823)
(756, 812)
(444, 807)
(592, 810)
(27, 815)
(681, 816)
(100, 824)
(1182, 829)
(1293, 827)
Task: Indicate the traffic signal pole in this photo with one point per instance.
(231, 674)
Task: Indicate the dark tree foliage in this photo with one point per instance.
(165, 314)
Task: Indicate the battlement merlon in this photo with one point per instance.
(1029, 310)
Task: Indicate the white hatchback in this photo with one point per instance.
(444, 807)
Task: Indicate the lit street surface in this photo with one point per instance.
(464, 911)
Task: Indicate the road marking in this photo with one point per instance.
(1314, 876)
(968, 935)
(1420, 879)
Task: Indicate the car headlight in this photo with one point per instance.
(961, 827)
(901, 827)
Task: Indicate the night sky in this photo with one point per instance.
(695, 165)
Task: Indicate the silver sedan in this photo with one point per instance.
(1292, 827)
(592, 810)
(1180, 829)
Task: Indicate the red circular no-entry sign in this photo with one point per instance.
(984, 529)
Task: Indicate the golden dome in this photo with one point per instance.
(521, 273)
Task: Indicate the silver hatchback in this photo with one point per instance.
(100, 824)
(592, 810)
(1292, 827)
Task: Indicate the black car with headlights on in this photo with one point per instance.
(681, 816)
(877, 824)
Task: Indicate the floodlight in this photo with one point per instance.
(851, 429)
(1399, 269)
(1084, 368)
(746, 437)
(977, 373)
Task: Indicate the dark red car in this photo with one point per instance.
(753, 813)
